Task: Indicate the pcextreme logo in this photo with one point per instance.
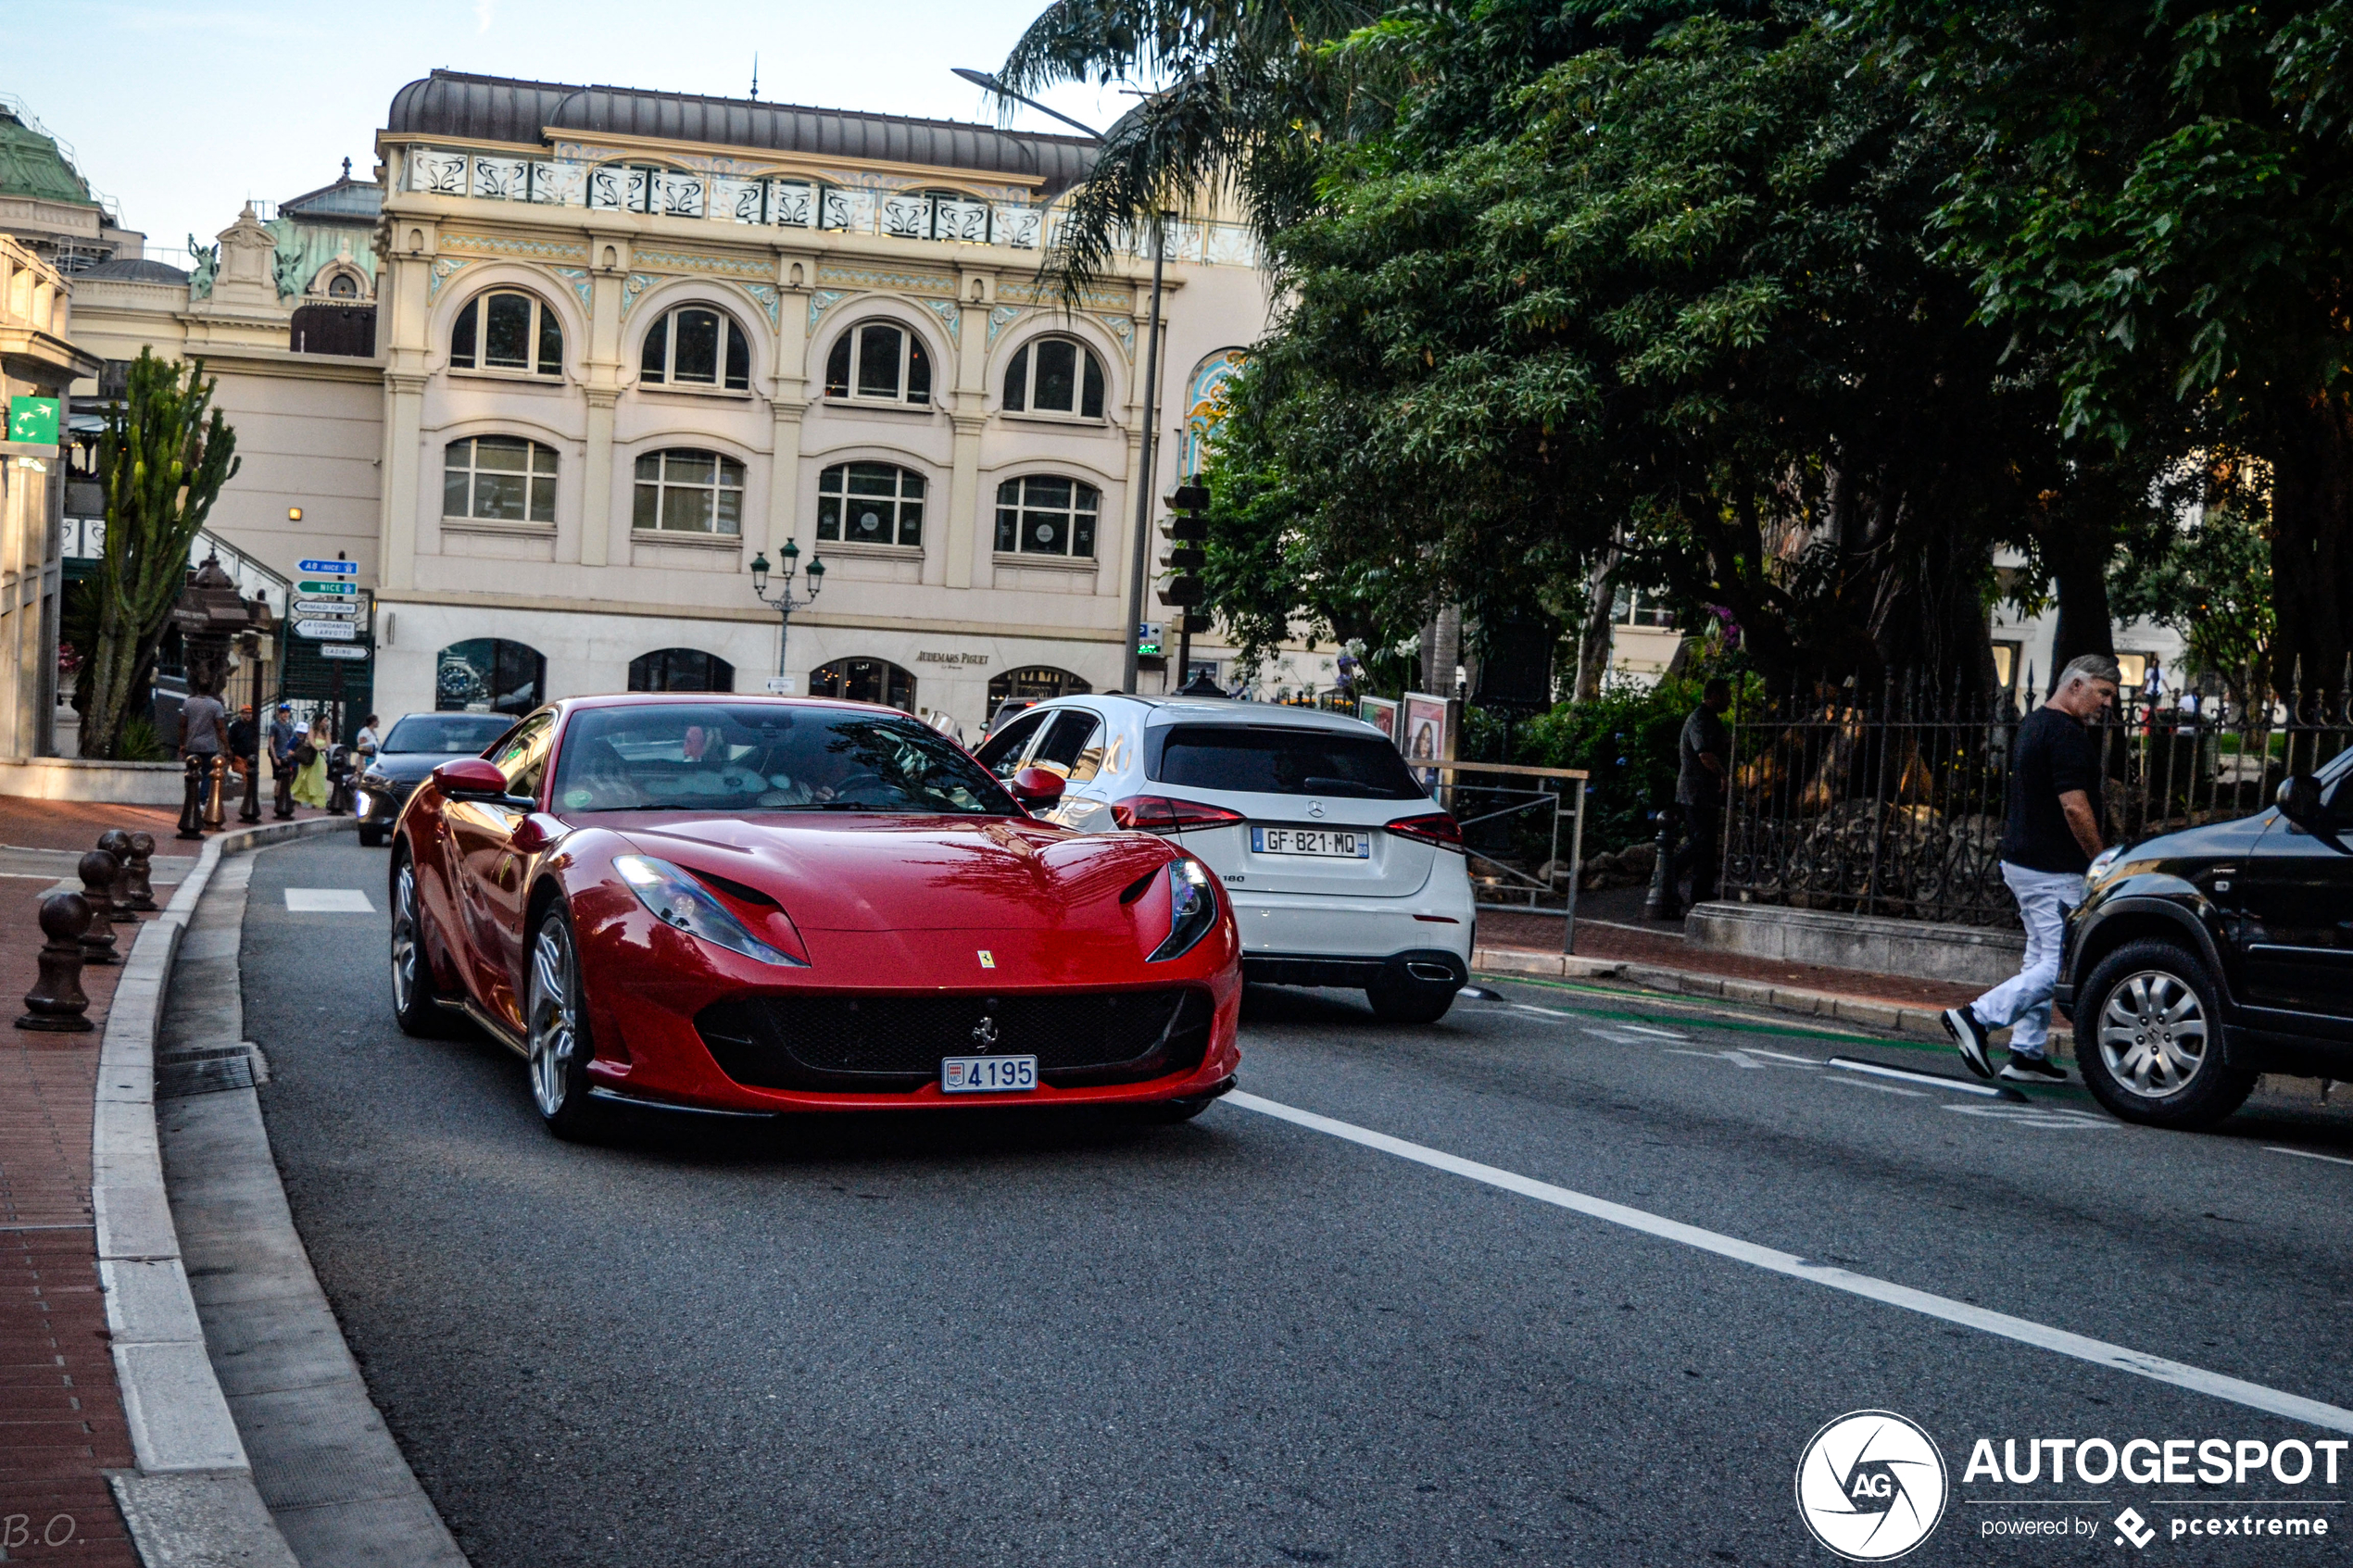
(1871, 1486)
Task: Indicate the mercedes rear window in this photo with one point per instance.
(1262, 759)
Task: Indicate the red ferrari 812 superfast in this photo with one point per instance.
(755, 905)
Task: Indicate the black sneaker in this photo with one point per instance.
(1969, 1036)
(2033, 1069)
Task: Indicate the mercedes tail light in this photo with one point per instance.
(1161, 813)
(1438, 828)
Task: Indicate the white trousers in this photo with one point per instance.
(2023, 1001)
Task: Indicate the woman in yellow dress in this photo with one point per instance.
(310, 781)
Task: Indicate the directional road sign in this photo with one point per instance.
(343, 650)
(334, 568)
(344, 607)
(326, 631)
(309, 587)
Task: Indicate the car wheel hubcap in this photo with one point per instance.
(2152, 1034)
(555, 1033)
(404, 938)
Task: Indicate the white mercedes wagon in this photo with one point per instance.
(1342, 870)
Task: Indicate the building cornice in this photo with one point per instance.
(1028, 631)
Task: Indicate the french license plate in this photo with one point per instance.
(987, 1074)
(1333, 843)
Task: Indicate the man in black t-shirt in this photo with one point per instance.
(2050, 839)
(1704, 753)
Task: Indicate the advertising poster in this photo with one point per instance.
(1380, 713)
(1428, 736)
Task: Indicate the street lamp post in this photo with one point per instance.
(984, 81)
(784, 600)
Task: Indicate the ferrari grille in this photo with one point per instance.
(884, 1043)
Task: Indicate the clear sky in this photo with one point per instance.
(181, 110)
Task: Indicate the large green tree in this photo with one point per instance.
(165, 454)
(2159, 202)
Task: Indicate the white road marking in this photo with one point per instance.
(2308, 1154)
(1783, 1056)
(2099, 1352)
(1733, 1057)
(2037, 1116)
(1662, 1033)
(1932, 1080)
(1548, 1012)
(1879, 1088)
(328, 901)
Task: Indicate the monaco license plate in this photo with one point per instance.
(1332, 842)
(987, 1074)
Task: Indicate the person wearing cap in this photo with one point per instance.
(283, 737)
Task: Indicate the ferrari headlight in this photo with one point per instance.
(1192, 909)
(679, 901)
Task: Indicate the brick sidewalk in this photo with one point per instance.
(62, 1422)
(1618, 944)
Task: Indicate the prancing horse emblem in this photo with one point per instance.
(985, 1033)
(1315, 808)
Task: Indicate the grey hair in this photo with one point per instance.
(2091, 667)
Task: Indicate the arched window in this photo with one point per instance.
(501, 478)
(1039, 683)
(1044, 514)
(489, 675)
(681, 669)
(1055, 375)
(694, 345)
(685, 491)
(879, 362)
(864, 680)
(870, 504)
(508, 330)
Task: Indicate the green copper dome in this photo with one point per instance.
(32, 165)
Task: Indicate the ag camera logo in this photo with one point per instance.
(1871, 1486)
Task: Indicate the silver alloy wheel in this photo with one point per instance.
(555, 1028)
(2153, 1033)
(405, 953)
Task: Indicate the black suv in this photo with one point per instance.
(2201, 958)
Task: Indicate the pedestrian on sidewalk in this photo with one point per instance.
(282, 735)
(203, 726)
(369, 742)
(2050, 838)
(310, 764)
(1706, 749)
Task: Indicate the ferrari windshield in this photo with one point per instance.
(466, 734)
(749, 757)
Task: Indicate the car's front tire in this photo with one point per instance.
(416, 1000)
(2148, 1038)
(1407, 1001)
(556, 1022)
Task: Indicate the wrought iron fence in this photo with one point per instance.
(1893, 804)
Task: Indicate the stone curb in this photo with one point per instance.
(1911, 1022)
(190, 1503)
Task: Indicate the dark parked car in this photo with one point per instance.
(415, 747)
(2204, 957)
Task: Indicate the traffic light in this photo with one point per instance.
(1185, 556)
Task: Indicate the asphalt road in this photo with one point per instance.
(1010, 1337)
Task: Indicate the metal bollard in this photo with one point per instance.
(216, 787)
(119, 908)
(56, 1003)
(251, 810)
(97, 868)
(142, 891)
(191, 808)
(1665, 902)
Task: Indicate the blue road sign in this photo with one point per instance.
(344, 568)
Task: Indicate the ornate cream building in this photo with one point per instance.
(625, 342)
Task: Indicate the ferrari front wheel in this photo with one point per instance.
(557, 1014)
(416, 1001)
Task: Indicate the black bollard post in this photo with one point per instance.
(97, 868)
(1665, 902)
(119, 908)
(251, 810)
(55, 1004)
(191, 808)
(142, 891)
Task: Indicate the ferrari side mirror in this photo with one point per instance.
(1036, 789)
(469, 778)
